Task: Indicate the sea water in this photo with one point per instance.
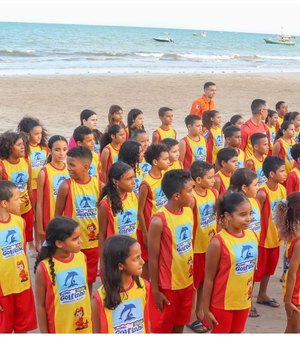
(81, 49)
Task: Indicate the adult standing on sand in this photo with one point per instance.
(205, 103)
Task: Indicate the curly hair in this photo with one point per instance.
(7, 140)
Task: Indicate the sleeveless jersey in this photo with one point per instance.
(177, 165)
(285, 154)
(215, 143)
(257, 168)
(280, 120)
(241, 158)
(14, 269)
(146, 167)
(176, 250)
(224, 180)
(18, 174)
(195, 151)
(112, 157)
(293, 181)
(255, 225)
(68, 302)
(138, 179)
(271, 133)
(81, 205)
(297, 136)
(205, 223)
(97, 148)
(53, 179)
(95, 166)
(162, 134)
(269, 237)
(131, 316)
(233, 283)
(37, 157)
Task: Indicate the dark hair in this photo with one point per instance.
(208, 84)
(295, 152)
(207, 117)
(136, 133)
(80, 132)
(283, 127)
(225, 154)
(6, 190)
(174, 181)
(80, 152)
(112, 131)
(169, 142)
(132, 115)
(163, 110)
(230, 131)
(51, 141)
(7, 141)
(58, 229)
(116, 171)
(271, 163)
(115, 251)
(241, 177)
(191, 119)
(85, 115)
(278, 104)
(291, 116)
(256, 137)
(129, 153)
(154, 151)
(113, 109)
(257, 105)
(271, 113)
(200, 169)
(233, 120)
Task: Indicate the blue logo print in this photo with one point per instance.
(273, 208)
(262, 179)
(160, 197)
(20, 179)
(183, 234)
(92, 170)
(219, 140)
(38, 159)
(255, 224)
(56, 182)
(200, 153)
(128, 310)
(86, 206)
(245, 257)
(206, 212)
(70, 279)
(11, 242)
(127, 222)
(145, 167)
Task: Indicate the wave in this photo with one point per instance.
(17, 53)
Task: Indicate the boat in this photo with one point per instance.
(161, 39)
(203, 34)
(282, 40)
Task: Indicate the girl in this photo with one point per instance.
(121, 304)
(288, 223)
(49, 179)
(118, 206)
(294, 117)
(110, 147)
(141, 136)
(213, 134)
(271, 123)
(135, 120)
(115, 116)
(61, 290)
(230, 263)
(15, 168)
(236, 120)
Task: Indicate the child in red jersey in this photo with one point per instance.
(135, 120)
(121, 304)
(287, 220)
(293, 179)
(171, 254)
(173, 148)
(61, 290)
(17, 307)
(165, 130)
(229, 269)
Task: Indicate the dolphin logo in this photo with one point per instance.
(199, 152)
(127, 308)
(206, 210)
(145, 167)
(85, 202)
(60, 180)
(183, 233)
(11, 234)
(70, 277)
(19, 178)
(246, 249)
(37, 156)
(126, 217)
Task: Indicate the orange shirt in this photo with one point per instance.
(201, 105)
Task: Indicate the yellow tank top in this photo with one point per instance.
(280, 120)
(218, 142)
(272, 134)
(195, 151)
(37, 156)
(171, 133)
(255, 225)
(241, 158)
(262, 179)
(138, 179)
(68, 302)
(177, 165)
(95, 166)
(14, 269)
(288, 159)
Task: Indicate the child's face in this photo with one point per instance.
(241, 217)
(77, 167)
(251, 189)
(290, 131)
(186, 194)
(284, 109)
(18, 149)
(139, 121)
(118, 117)
(231, 165)
(239, 123)
(216, 121)
(273, 120)
(297, 122)
(167, 119)
(235, 140)
(262, 147)
(143, 139)
(119, 138)
(14, 203)
(196, 128)
(72, 244)
(88, 142)
(174, 153)
(208, 180)
(133, 265)
(163, 161)
(91, 122)
(35, 135)
(279, 175)
(127, 181)
(59, 151)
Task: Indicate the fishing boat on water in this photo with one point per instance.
(282, 40)
(162, 39)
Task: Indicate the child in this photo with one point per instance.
(117, 212)
(171, 254)
(233, 139)
(260, 146)
(142, 137)
(205, 227)
(17, 307)
(287, 220)
(213, 134)
(78, 198)
(269, 195)
(230, 264)
(235, 120)
(227, 158)
(15, 168)
(110, 146)
(293, 179)
(49, 180)
(271, 123)
(115, 117)
(294, 117)
(164, 131)
(135, 120)
(61, 290)
(282, 108)
(121, 304)
(151, 196)
(193, 146)
(173, 148)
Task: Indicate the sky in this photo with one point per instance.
(238, 16)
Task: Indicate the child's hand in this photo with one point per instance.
(160, 300)
(290, 308)
(210, 319)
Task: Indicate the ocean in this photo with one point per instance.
(81, 49)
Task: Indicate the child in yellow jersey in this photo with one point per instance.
(121, 304)
(142, 137)
(294, 117)
(78, 198)
(282, 109)
(61, 290)
(151, 196)
(165, 114)
(171, 254)
(49, 180)
(260, 145)
(117, 212)
(235, 120)
(173, 148)
(230, 263)
(293, 179)
(269, 195)
(135, 120)
(288, 226)
(271, 123)
(17, 307)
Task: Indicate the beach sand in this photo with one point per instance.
(58, 101)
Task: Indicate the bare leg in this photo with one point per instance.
(262, 294)
(293, 323)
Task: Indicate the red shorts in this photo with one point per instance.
(18, 313)
(92, 260)
(267, 262)
(199, 269)
(28, 217)
(34, 194)
(230, 321)
(178, 313)
(144, 250)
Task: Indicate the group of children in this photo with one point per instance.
(178, 231)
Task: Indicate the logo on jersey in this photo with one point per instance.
(160, 197)
(38, 159)
(146, 167)
(86, 206)
(20, 179)
(273, 208)
(255, 224)
(245, 257)
(219, 140)
(92, 170)
(207, 215)
(56, 182)
(11, 242)
(200, 153)
(262, 179)
(183, 235)
(127, 222)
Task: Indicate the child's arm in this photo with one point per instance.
(102, 220)
(182, 150)
(104, 161)
(40, 204)
(217, 183)
(261, 197)
(40, 297)
(143, 193)
(155, 138)
(249, 164)
(217, 166)
(30, 193)
(96, 317)
(61, 198)
(276, 149)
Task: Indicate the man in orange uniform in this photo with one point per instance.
(205, 103)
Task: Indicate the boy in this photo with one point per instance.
(141, 136)
(293, 179)
(282, 108)
(227, 158)
(233, 139)
(77, 198)
(171, 254)
(151, 196)
(269, 195)
(17, 307)
(193, 146)
(173, 148)
(164, 131)
(260, 145)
